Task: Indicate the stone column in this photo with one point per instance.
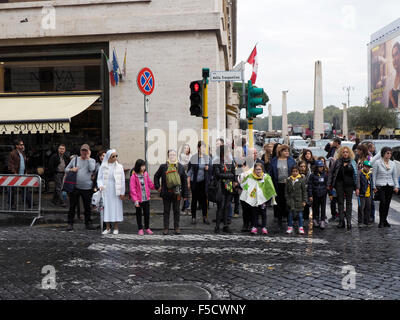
(270, 118)
(345, 122)
(284, 115)
(318, 103)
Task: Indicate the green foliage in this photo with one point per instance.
(373, 118)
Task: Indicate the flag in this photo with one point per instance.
(110, 69)
(253, 60)
(124, 66)
(115, 67)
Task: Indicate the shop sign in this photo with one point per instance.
(29, 127)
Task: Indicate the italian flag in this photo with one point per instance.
(110, 69)
(253, 60)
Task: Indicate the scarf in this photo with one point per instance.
(295, 178)
(258, 177)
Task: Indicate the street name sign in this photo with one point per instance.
(217, 76)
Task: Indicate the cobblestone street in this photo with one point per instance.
(198, 264)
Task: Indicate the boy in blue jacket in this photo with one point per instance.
(317, 191)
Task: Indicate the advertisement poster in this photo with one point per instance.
(385, 73)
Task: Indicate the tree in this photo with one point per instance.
(373, 118)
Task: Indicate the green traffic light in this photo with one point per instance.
(253, 100)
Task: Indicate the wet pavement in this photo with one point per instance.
(198, 264)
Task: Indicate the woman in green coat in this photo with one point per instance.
(296, 197)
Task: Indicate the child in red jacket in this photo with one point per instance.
(140, 185)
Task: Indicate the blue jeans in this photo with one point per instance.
(291, 214)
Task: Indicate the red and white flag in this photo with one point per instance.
(253, 60)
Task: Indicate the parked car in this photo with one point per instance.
(379, 144)
(297, 146)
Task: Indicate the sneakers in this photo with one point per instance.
(289, 230)
(322, 224)
(141, 233)
(236, 215)
(165, 232)
(264, 231)
(315, 223)
(149, 232)
(115, 231)
(301, 230)
(106, 231)
(253, 230)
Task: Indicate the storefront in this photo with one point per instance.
(50, 95)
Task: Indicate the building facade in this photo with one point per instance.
(53, 49)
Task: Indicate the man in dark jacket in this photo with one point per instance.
(199, 176)
(17, 164)
(171, 196)
(332, 147)
(57, 164)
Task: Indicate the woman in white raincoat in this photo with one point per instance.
(111, 182)
(258, 189)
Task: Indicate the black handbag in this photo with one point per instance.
(70, 180)
(214, 191)
(376, 196)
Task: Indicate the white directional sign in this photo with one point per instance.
(226, 76)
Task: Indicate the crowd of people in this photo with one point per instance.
(235, 176)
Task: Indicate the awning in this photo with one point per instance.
(21, 115)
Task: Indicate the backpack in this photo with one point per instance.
(172, 176)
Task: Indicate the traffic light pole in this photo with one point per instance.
(206, 74)
(251, 135)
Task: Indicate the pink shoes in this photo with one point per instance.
(301, 230)
(253, 231)
(141, 233)
(264, 231)
(148, 231)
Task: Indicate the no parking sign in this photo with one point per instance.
(146, 81)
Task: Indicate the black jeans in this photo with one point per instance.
(333, 204)
(319, 208)
(364, 210)
(167, 202)
(255, 212)
(74, 201)
(246, 212)
(236, 201)
(58, 181)
(343, 190)
(199, 194)
(145, 206)
(281, 208)
(223, 209)
(385, 197)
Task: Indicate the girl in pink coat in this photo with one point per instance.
(140, 185)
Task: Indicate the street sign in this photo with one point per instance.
(146, 81)
(217, 76)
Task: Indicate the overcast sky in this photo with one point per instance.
(293, 34)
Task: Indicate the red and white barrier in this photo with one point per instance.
(19, 181)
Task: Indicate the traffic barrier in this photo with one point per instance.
(18, 194)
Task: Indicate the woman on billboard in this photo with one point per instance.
(394, 93)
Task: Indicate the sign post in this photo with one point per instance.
(146, 83)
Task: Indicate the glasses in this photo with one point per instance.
(116, 156)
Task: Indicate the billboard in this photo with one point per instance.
(385, 73)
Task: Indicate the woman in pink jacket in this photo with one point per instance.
(140, 185)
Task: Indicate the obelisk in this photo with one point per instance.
(270, 118)
(318, 103)
(345, 123)
(284, 115)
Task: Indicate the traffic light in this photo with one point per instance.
(196, 98)
(254, 99)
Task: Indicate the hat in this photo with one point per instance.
(367, 163)
(85, 147)
(319, 163)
